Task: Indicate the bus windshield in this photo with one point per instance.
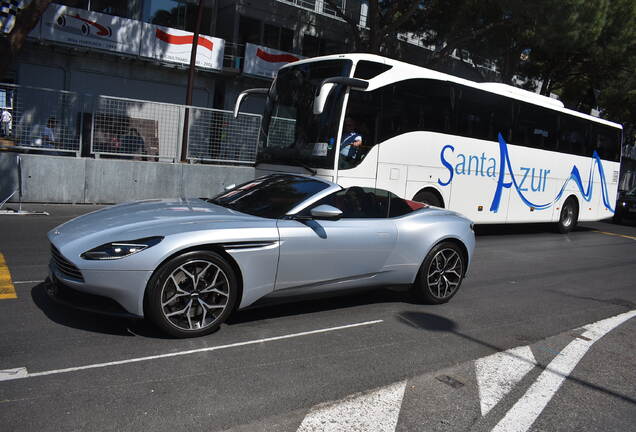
(291, 134)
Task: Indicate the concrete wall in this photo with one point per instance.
(8, 174)
(58, 179)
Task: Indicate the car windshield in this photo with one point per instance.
(270, 197)
(291, 133)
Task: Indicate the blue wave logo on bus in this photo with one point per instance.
(504, 163)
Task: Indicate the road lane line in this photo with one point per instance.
(26, 282)
(616, 234)
(194, 351)
(7, 290)
(498, 373)
(11, 374)
(527, 409)
(377, 411)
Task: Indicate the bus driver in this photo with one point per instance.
(351, 141)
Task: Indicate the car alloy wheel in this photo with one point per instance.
(441, 273)
(192, 294)
(444, 273)
(195, 295)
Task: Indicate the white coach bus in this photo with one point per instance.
(495, 153)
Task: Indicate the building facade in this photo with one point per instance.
(112, 47)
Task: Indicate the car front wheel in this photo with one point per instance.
(441, 274)
(192, 294)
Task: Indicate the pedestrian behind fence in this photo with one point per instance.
(6, 122)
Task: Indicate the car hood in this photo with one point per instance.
(143, 218)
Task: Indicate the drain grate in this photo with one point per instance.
(450, 381)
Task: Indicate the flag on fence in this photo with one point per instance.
(8, 10)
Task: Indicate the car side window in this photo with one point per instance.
(359, 203)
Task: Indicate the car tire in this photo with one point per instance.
(569, 216)
(428, 197)
(192, 294)
(441, 274)
(617, 218)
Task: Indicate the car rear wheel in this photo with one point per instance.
(441, 274)
(192, 294)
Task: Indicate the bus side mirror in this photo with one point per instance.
(244, 94)
(321, 99)
(327, 85)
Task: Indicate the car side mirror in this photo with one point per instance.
(327, 212)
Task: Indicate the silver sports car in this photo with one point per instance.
(187, 264)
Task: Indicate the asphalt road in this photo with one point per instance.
(303, 365)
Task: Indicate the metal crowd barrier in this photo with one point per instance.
(41, 120)
(65, 123)
(216, 136)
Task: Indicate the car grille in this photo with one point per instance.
(64, 266)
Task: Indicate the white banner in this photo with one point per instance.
(172, 45)
(265, 62)
(91, 29)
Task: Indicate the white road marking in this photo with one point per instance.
(25, 282)
(377, 411)
(497, 374)
(524, 413)
(194, 351)
(10, 374)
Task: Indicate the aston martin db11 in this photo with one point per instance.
(187, 264)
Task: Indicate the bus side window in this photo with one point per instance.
(415, 105)
(483, 115)
(473, 117)
(535, 127)
(606, 142)
(360, 118)
(573, 136)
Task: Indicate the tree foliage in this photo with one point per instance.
(26, 20)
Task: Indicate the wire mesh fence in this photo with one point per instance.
(282, 132)
(215, 135)
(65, 123)
(136, 128)
(41, 120)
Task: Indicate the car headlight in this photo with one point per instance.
(120, 249)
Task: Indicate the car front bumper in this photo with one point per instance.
(110, 292)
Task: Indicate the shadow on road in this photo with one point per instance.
(266, 309)
(436, 323)
(299, 305)
(530, 228)
(76, 318)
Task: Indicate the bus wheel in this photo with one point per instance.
(569, 216)
(428, 197)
